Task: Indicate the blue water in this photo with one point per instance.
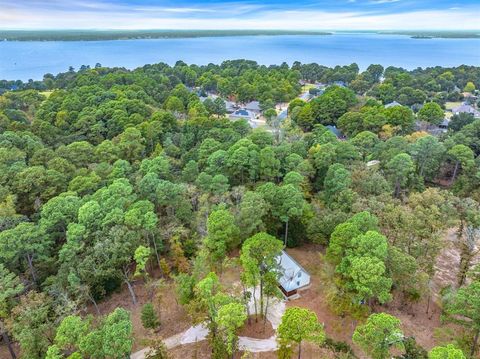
(31, 60)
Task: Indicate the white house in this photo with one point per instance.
(294, 277)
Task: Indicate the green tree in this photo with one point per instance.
(26, 243)
(231, 317)
(149, 317)
(364, 268)
(336, 187)
(117, 334)
(343, 234)
(428, 153)
(469, 87)
(464, 308)
(141, 256)
(380, 333)
(70, 331)
(446, 352)
(261, 268)
(400, 170)
(253, 208)
(462, 155)
(269, 165)
(299, 325)
(31, 326)
(292, 205)
(432, 113)
(223, 235)
(10, 288)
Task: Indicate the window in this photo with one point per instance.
(299, 274)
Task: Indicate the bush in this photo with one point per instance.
(149, 317)
(338, 347)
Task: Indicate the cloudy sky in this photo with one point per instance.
(240, 14)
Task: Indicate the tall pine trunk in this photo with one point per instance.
(255, 303)
(6, 339)
(286, 233)
(455, 170)
(247, 303)
(261, 296)
(474, 344)
(31, 267)
(129, 285)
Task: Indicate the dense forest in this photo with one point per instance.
(117, 181)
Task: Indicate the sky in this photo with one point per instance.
(241, 14)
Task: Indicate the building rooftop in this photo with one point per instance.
(393, 104)
(294, 276)
(464, 108)
(253, 106)
(335, 131)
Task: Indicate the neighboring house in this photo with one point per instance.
(242, 114)
(373, 164)
(336, 132)
(253, 106)
(393, 104)
(283, 115)
(444, 124)
(466, 109)
(306, 96)
(340, 83)
(231, 106)
(294, 278)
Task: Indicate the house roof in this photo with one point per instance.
(290, 269)
(466, 109)
(253, 106)
(242, 113)
(335, 131)
(392, 104)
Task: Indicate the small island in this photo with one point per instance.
(436, 34)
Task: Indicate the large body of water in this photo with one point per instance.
(32, 59)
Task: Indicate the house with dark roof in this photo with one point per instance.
(253, 106)
(464, 108)
(242, 113)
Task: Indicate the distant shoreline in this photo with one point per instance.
(435, 34)
(110, 35)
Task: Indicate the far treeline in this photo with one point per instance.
(99, 35)
(111, 178)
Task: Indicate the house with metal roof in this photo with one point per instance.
(335, 131)
(464, 108)
(242, 114)
(293, 278)
(393, 104)
(253, 106)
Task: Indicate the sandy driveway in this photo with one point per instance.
(199, 333)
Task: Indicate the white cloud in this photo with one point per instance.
(383, 1)
(228, 17)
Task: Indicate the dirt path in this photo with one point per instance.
(198, 333)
